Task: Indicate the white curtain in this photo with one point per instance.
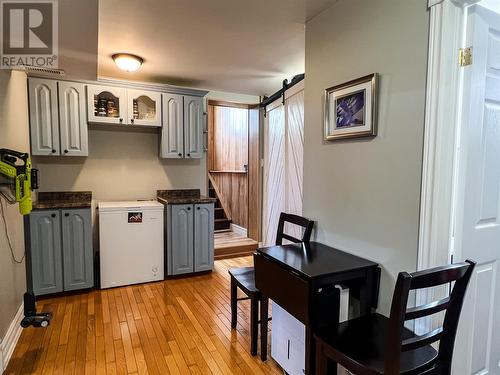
(283, 162)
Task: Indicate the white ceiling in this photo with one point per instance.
(229, 45)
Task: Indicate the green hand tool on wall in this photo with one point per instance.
(17, 179)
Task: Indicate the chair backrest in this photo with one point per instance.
(297, 220)
(459, 273)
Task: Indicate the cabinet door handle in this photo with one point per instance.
(53, 215)
(189, 208)
(198, 208)
(66, 151)
(180, 155)
(189, 155)
(121, 120)
(53, 151)
(288, 350)
(131, 120)
(66, 214)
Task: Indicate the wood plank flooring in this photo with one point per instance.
(178, 326)
(230, 244)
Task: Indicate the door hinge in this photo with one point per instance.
(465, 56)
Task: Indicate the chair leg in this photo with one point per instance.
(254, 324)
(234, 303)
(264, 305)
(321, 361)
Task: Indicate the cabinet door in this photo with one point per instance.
(77, 249)
(172, 133)
(144, 107)
(180, 239)
(73, 119)
(44, 122)
(203, 237)
(106, 104)
(193, 127)
(45, 252)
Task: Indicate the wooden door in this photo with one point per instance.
(144, 107)
(45, 252)
(44, 120)
(193, 127)
(78, 257)
(478, 205)
(180, 239)
(73, 119)
(172, 133)
(203, 237)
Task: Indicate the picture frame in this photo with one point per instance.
(351, 109)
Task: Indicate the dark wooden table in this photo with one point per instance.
(301, 278)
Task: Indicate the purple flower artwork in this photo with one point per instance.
(351, 110)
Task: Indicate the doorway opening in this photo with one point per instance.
(233, 176)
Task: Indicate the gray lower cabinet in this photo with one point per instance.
(60, 246)
(181, 239)
(203, 237)
(77, 249)
(190, 238)
(46, 255)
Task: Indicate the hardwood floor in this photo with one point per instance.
(178, 326)
(230, 245)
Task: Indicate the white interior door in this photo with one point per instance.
(274, 172)
(283, 162)
(477, 350)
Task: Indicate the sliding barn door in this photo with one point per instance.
(283, 162)
(274, 172)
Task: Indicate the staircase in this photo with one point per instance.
(222, 222)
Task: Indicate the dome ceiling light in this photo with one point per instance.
(127, 61)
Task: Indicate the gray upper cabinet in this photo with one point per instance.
(60, 248)
(107, 104)
(45, 249)
(44, 119)
(144, 107)
(182, 135)
(73, 119)
(203, 237)
(180, 237)
(77, 249)
(172, 135)
(193, 125)
(58, 122)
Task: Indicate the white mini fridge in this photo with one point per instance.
(131, 247)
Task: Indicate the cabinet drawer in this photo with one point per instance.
(271, 279)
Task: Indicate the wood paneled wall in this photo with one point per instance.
(254, 190)
(234, 191)
(230, 139)
(233, 142)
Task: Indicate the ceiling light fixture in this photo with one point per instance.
(127, 61)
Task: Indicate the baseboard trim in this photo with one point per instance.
(10, 340)
(239, 230)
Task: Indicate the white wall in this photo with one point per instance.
(365, 193)
(13, 135)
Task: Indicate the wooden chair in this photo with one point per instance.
(244, 277)
(374, 344)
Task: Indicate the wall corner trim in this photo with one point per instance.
(442, 104)
(10, 340)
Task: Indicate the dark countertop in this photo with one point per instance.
(59, 199)
(183, 196)
(315, 259)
